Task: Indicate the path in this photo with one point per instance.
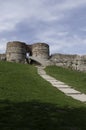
(62, 86)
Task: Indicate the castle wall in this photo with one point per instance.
(83, 63)
(69, 61)
(2, 57)
(16, 51)
(40, 50)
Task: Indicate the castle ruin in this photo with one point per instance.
(38, 53)
(21, 52)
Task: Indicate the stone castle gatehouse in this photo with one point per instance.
(38, 53)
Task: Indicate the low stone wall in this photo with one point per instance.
(76, 62)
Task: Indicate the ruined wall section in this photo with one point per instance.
(2, 57)
(83, 63)
(76, 62)
(16, 51)
(40, 50)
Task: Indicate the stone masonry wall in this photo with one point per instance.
(40, 50)
(2, 57)
(76, 62)
(16, 51)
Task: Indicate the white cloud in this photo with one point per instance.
(14, 11)
(62, 33)
(70, 4)
(83, 29)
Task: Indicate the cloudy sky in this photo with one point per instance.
(60, 23)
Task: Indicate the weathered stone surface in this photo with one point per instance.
(40, 50)
(76, 62)
(16, 51)
(2, 57)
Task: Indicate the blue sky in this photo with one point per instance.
(60, 23)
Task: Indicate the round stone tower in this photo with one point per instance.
(16, 52)
(40, 50)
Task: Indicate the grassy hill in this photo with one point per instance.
(28, 102)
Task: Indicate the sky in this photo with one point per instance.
(59, 23)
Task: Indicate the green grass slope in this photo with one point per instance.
(28, 102)
(73, 78)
